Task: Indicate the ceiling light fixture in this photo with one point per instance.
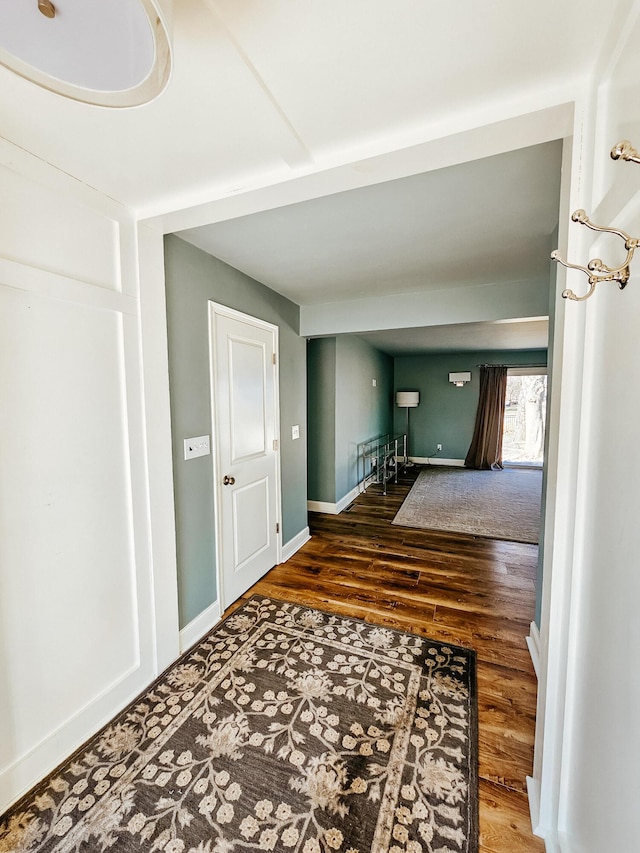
(115, 54)
(47, 8)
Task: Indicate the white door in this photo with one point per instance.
(247, 460)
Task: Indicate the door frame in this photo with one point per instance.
(217, 309)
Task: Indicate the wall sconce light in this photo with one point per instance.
(459, 379)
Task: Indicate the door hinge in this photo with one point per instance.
(273, 358)
(277, 527)
(275, 443)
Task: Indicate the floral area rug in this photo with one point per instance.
(285, 729)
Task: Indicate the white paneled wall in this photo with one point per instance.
(77, 632)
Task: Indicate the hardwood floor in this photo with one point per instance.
(475, 592)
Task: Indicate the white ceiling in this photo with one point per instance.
(477, 223)
(529, 334)
(263, 91)
(266, 95)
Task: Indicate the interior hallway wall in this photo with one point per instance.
(345, 402)
(193, 278)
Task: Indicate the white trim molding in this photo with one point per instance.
(198, 627)
(334, 509)
(293, 545)
(533, 642)
(551, 841)
(435, 460)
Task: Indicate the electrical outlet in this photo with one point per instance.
(438, 447)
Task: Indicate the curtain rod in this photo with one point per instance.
(491, 364)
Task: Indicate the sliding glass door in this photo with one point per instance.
(524, 416)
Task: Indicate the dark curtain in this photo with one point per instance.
(486, 446)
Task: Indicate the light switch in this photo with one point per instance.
(198, 446)
(295, 432)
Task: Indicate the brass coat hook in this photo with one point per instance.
(624, 150)
(596, 270)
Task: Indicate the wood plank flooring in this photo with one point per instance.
(475, 592)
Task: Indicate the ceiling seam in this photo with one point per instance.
(305, 157)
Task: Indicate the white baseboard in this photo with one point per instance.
(436, 460)
(533, 642)
(533, 795)
(334, 509)
(41, 759)
(293, 545)
(198, 627)
(551, 841)
(553, 845)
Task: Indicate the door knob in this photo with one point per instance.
(228, 481)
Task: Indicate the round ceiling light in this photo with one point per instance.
(113, 54)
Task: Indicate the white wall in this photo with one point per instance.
(587, 787)
(77, 630)
(600, 791)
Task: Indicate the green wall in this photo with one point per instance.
(362, 410)
(192, 279)
(446, 414)
(345, 408)
(321, 419)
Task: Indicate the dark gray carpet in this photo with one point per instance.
(286, 729)
(497, 504)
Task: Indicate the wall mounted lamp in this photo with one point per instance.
(459, 379)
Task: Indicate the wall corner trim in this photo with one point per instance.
(334, 509)
(293, 545)
(533, 795)
(552, 843)
(198, 627)
(533, 642)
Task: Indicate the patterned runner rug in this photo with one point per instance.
(497, 504)
(285, 729)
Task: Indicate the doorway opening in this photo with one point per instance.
(525, 416)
